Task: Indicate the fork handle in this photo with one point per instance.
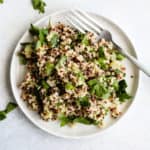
(137, 63)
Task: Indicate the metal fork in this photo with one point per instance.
(84, 22)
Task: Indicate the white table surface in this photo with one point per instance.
(132, 132)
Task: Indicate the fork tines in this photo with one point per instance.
(83, 22)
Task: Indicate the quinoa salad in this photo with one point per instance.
(71, 77)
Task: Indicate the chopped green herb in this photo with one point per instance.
(40, 32)
(87, 121)
(98, 89)
(102, 63)
(121, 92)
(10, 107)
(34, 30)
(92, 82)
(101, 52)
(53, 39)
(115, 85)
(64, 120)
(39, 5)
(80, 37)
(42, 35)
(28, 51)
(83, 101)
(45, 85)
(85, 41)
(69, 86)
(49, 68)
(1, 1)
(22, 59)
(119, 56)
(2, 115)
(38, 44)
(73, 119)
(81, 78)
(61, 61)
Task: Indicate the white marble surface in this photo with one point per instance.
(131, 132)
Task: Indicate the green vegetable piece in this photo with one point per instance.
(119, 56)
(53, 39)
(101, 52)
(39, 5)
(98, 89)
(38, 44)
(42, 35)
(2, 115)
(34, 30)
(73, 119)
(115, 85)
(10, 106)
(121, 92)
(49, 68)
(45, 85)
(64, 120)
(61, 61)
(80, 36)
(69, 86)
(22, 59)
(81, 78)
(28, 51)
(102, 63)
(92, 82)
(1, 1)
(85, 41)
(83, 101)
(87, 121)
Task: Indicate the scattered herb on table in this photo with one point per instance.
(1, 1)
(39, 5)
(10, 107)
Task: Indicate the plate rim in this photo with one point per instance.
(53, 132)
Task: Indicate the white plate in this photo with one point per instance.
(79, 130)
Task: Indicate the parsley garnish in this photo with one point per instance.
(10, 107)
(121, 92)
(74, 119)
(34, 30)
(45, 85)
(61, 61)
(98, 89)
(101, 52)
(1, 1)
(119, 56)
(41, 33)
(22, 59)
(83, 101)
(85, 41)
(69, 86)
(49, 67)
(39, 5)
(53, 39)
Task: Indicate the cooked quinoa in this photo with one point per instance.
(71, 77)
